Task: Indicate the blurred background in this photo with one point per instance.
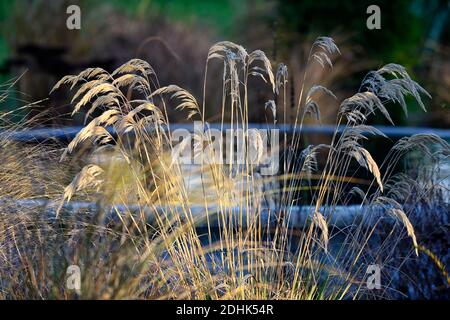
(37, 49)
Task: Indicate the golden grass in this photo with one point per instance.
(159, 251)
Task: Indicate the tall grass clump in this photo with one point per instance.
(157, 228)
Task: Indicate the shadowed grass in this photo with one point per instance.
(175, 253)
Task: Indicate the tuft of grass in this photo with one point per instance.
(158, 229)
